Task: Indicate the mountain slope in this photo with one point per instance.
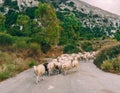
(93, 18)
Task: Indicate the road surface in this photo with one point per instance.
(89, 79)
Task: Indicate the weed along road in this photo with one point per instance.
(89, 79)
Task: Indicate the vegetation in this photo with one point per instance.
(87, 46)
(112, 65)
(106, 53)
(117, 34)
(71, 48)
(26, 36)
(10, 65)
(5, 39)
(32, 63)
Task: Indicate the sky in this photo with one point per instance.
(109, 5)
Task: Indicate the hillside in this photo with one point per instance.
(92, 18)
(31, 30)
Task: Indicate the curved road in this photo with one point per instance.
(89, 79)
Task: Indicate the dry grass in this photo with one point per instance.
(108, 51)
(10, 65)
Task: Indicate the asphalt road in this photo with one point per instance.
(89, 79)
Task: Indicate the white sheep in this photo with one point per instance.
(58, 67)
(39, 71)
(75, 63)
(51, 67)
(66, 66)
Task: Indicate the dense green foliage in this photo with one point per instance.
(107, 53)
(87, 46)
(71, 48)
(45, 14)
(117, 34)
(71, 29)
(5, 39)
(39, 24)
(2, 22)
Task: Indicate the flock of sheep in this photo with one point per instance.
(62, 64)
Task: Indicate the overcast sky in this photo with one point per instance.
(109, 5)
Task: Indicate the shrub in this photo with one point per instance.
(32, 63)
(5, 39)
(14, 31)
(110, 51)
(34, 46)
(4, 75)
(117, 36)
(87, 46)
(45, 47)
(107, 66)
(20, 45)
(116, 64)
(71, 48)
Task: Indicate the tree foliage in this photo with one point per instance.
(46, 15)
(2, 22)
(71, 29)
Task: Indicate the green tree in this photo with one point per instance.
(71, 29)
(2, 22)
(11, 18)
(24, 22)
(117, 34)
(46, 15)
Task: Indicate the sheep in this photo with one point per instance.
(66, 66)
(46, 67)
(39, 71)
(51, 67)
(58, 66)
(75, 63)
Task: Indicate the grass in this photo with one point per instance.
(107, 52)
(10, 66)
(4, 75)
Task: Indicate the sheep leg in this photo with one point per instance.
(49, 73)
(65, 72)
(59, 71)
(37, 79)
(43, 77)
(76, 68)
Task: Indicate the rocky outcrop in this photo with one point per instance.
(27, 3)
(91, 16)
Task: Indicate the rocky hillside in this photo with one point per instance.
(92, 18)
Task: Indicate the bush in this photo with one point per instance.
(4, 75)
(20, 45)
(14, 31)
(45, 47)
(87, 46)
(107, 66)
(32, 63)
(110, 52)
(5, 39)
(116, 64)
(34, 46)
(70, 48)
(117, 36)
